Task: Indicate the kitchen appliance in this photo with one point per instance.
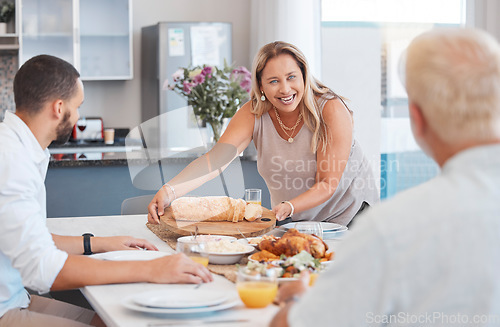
(165, 47)
(93, 131)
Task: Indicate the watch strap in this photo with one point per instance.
(86, 243)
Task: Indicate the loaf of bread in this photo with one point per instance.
(214, 208)
(253, 211)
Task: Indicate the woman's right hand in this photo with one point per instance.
(157, 206)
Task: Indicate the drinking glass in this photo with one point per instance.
(257, 288)
(196, 251)
(310, 227)
(82, 125)
(253, 195)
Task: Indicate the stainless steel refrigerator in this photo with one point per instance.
(165, 47)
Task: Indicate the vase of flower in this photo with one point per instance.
(216, 129)
(6, 12)
(214, 93)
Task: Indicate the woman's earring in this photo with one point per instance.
(262, 97)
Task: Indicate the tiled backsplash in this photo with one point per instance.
(8, 69)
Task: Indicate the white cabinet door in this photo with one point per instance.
(106, 39)
(93, 35)
(49, 27)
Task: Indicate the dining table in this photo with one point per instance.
(108, 300)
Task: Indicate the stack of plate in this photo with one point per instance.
(179, 301)
(330, 230)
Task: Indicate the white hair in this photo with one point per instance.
(453, 75)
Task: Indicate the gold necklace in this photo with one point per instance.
(285, 128)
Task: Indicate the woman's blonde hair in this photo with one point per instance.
(453, 75)
(313, 89)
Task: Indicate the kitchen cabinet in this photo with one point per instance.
(105, 39)
(82, 32)
(48, 27)
(10, 40)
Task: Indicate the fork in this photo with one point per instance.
(246, 239)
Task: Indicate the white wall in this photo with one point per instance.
(118, 102)
(278, 20)
(351, 67)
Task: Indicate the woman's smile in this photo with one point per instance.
(287, 100)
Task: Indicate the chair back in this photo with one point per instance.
(136, 205)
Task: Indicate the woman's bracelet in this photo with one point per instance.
(291, 206)
(171, 189)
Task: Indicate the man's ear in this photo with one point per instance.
(57, 108)
(418, 121)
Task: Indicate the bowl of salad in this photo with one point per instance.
(289, 268)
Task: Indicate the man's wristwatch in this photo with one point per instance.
(86, 243)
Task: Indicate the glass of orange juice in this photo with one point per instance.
(253, 195)
(257, 288)
(196, 251)
(312, 278)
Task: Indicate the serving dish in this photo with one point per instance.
(205, 238)
(220, 257)
(230, 257)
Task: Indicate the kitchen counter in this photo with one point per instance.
(99, 154)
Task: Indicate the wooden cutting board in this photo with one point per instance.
(250, 229)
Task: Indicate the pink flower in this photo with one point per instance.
(246, 84)
(207, 70)
(187, 87)
(246, 77)
(198, 79)
(242, 71)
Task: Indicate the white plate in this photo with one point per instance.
(179, 299)
(129, 255)
(253, 240)
(327, 227)
(328, 235)
(128, 302)
(277, 262)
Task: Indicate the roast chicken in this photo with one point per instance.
(293, 242)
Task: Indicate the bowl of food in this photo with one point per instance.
(289, 268)
(205, 238)
(226, 252)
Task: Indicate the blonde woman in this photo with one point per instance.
(303, 133)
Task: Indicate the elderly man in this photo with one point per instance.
(48, 92)
(431, 255)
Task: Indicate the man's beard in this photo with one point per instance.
(64, 130)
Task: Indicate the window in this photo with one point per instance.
(394, 23)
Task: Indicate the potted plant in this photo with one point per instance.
(7, 9)
(214, 93)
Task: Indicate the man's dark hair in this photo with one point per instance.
(43, 78)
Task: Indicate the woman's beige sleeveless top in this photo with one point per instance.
(289, 169)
